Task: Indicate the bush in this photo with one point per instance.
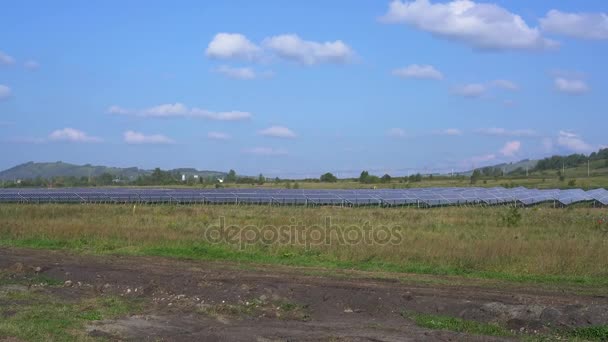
(572, 182)
(512, 217)
(328, 177)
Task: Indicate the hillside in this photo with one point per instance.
(506, 167)
(32, 170)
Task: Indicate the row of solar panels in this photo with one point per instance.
(389, 197)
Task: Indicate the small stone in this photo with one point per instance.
(68, 283)
(348, 310)
(17, 267)
(38, 269)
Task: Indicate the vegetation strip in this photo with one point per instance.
(538, 245)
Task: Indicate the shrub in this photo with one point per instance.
(512, 217)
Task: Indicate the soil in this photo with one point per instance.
(212, 301)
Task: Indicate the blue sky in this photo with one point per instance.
(316, 86)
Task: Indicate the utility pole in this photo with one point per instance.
(526, 171)
(588, 168)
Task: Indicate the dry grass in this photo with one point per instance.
(547, 244)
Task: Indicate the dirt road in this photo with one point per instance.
(210, 301)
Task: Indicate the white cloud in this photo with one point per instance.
(132, 137)
(450, 131)
(470, 90)
(6, 59)
(573, 142)
(5, 92)
(266, 151)
(511, 148)
(166, 110)
(505, 84)
(218, 136)
(288, 47)
(31, 65)
(232, 46)
(292, 47)
(237, 73)
(396, 133)
(495, 131)
(479, 25)
(571, 86)
(418, 72)
(179, 110)
(576, 25)
(278, 132)
(220, 116)
(473, 90)
(72, 135)
(118, 110)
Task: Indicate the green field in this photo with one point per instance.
(560, 246)
(537, 181)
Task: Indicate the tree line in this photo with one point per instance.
(573, 160)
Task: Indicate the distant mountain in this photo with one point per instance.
(507, 167)
(33, 170)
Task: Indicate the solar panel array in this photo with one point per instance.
(421, 197)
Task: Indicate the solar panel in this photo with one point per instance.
(426, 197)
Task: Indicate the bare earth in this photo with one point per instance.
(210, 301)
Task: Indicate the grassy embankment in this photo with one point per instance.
(559, 246)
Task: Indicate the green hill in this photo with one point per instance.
(32, 170)
(505, 167)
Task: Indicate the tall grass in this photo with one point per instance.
(546, 245)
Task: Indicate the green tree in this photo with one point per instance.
(261, 179)
(106, 179)
(363, 178)
(418, 177)
(231, 176)
(328, 178)
(475, 176)
(386, 178)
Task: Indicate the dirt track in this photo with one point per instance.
(191, 300)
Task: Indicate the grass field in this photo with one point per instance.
(538, 181)
(546, 245)
(547, 181)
